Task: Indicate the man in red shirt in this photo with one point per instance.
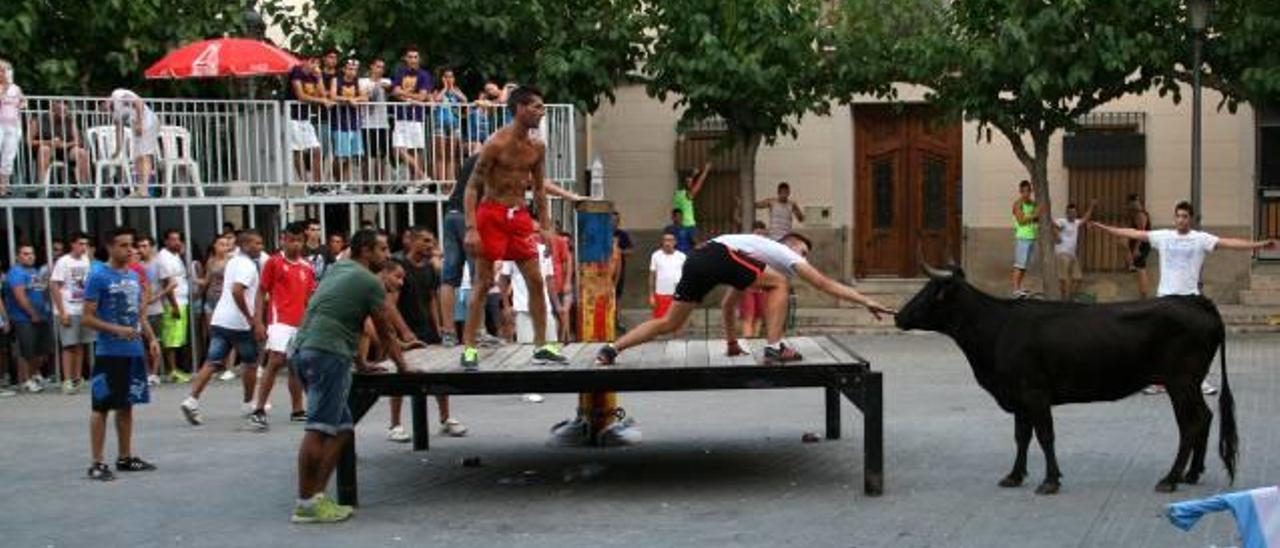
(287, 282)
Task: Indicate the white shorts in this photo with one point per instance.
(10, 136)
(524, 327)
(302, 136)
(408, 134)
(147, 144)
(279, 336)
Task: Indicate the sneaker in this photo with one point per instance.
(619, 434)
(549, 354)
(178, 377)
(448, 340)
(1153, 389)
(781, 354)
(153, 380)
(489, 341)
(6, 393)
(322, 510)
(227, 375)
(191, 410)
(69, 387)
(33, 386)
(735, 348)
(453, 428)
(470, 358)
(257, 422)
(397, 434)
(608, 355)
(248, 408)
(1208, 389)
(40, 380)
(575, 432)
(133, 464)
(100, 472)
(298, 416)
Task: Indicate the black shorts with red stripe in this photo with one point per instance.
(714, 264)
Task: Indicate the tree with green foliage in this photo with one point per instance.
(79, 47)
(755, 64)
(1027, 69)
(1241, 59)
(577, 51)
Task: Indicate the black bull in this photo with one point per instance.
(1031, 355)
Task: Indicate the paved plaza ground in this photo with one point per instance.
(715, 469)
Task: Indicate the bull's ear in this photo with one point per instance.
(959, 272)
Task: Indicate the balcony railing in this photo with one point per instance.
(73, 148)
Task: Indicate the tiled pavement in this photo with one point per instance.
(716, 469)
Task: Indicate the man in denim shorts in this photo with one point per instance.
(324, 350)
(233, 325)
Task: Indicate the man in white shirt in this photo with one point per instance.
(175, 321)
(664, 273)
(234, 325)
(1066, 231)
(70, 272)
(1182, 253)
(520, 297)
(742, 261)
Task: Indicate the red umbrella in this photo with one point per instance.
(223, 57)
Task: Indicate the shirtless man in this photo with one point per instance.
(500, 228)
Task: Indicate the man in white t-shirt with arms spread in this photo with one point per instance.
(234, 324)
(1066, 231)
(68, 278)
(742, 261)
(1182, 252)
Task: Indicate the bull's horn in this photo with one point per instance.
(933, 272)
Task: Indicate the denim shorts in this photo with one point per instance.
(222, 340)
(1022, 250)
(455, 230)
(327, 378)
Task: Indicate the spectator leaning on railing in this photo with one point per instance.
(54, 137)
(412, 85)
(376, 121)
(11, 103)
(128, 110)
(348, 142)
(306, 91)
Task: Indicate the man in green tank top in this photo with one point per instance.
(687, 190)
(1026, 217)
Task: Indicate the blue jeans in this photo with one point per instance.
(327, 378)
(455, 230)
(222, 340)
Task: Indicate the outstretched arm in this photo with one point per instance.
(1088, 213)
(699, 179)
(1248, 245)
(838, 290)
(1130, 233)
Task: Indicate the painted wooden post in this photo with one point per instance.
(597, 301)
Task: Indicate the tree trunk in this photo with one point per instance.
(1044, 240)
(747, 182)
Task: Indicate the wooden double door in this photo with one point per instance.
(907, 194)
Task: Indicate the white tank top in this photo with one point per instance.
(779, 219)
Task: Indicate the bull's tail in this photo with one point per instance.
(1228, 442)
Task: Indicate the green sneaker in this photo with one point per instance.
(470, 358)
(549, 354)
(323, 511)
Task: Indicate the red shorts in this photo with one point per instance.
(661, 304)
(751, 305)
(506, 233)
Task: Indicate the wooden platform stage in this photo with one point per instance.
(674, 365)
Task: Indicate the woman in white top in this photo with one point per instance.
(11, 104)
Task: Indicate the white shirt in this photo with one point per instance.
(10, 103)
(72, 273)
(1069, 236)
(170, 266)
(244, 271)
(520, 291)
(123, 111)
(1181, 257)
(374, 114)
(770, 252)
(666, 268)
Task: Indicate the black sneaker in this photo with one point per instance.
(781, 354)
(298, 416)
(549, 354)
(100, 472)
(257, 422)
(133, 464)
(470, 359)
(607, 355)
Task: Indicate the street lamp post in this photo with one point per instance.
(1198, 18)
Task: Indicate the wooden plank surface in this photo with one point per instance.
(695, 353)
(812, 352)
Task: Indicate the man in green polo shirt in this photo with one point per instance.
(324, 350)
(1026, 218)
(687, 190)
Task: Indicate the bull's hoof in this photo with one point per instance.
(1048, 488)
(1166, 486)
(1011, 480)
(1191, 478)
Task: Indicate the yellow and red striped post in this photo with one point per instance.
(597, 302)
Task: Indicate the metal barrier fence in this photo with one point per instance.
(83, 148)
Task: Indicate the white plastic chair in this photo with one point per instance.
(102, 152)
(175, 154)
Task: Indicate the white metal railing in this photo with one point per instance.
(72, 147)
